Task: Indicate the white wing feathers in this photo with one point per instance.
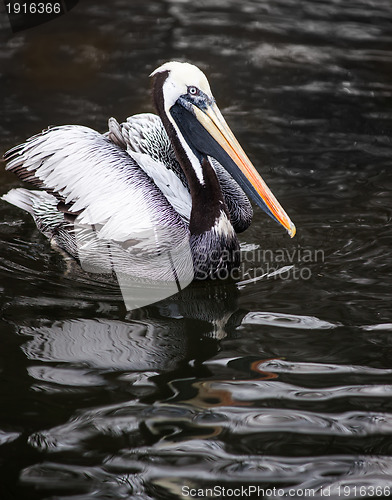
(146, 141)
(97, 179)
(170, 185)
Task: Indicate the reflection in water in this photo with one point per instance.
(111, 345)
(137, 344)
(181, 442)
(216, 414)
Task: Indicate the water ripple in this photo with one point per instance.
(378, 327)
(281, 366)
(287, 321)
(130, 473)
(118, 421)
(242, 421)
(8, 437)
(257, 390)
(113, 344)
(112, 421)
(65, 376)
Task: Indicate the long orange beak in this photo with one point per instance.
(212, 120)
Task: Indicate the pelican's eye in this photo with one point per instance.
(193, 91)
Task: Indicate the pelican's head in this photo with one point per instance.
(182, 79)
(183, 95)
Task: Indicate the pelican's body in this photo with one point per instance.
(170, 175)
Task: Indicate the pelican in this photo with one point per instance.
(181, 170)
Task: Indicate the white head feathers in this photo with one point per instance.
(181, 76)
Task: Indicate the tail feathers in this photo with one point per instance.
(28, 200)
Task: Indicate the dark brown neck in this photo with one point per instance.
(206, 194)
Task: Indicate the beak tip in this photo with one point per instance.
(292, 230)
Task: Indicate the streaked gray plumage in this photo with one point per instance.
(94, 181)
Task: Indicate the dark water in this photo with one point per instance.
(284, 382)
